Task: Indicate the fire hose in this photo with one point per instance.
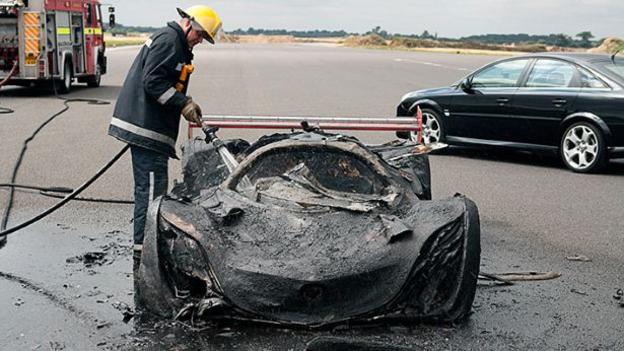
(68, 198)
(11, 73)
(12, 184)
(4, 110)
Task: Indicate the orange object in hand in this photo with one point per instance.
(187, 70)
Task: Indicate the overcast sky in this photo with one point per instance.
(449, 18)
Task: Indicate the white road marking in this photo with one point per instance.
(430, 64)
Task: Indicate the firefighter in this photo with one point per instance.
(148, 109)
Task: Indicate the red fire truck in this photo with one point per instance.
(51, 40)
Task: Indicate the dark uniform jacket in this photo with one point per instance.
(147, 113)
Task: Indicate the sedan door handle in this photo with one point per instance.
(502, 101)
(559, 102)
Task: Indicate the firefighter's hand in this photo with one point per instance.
(192, 112)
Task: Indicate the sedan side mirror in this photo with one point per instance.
(466, 85)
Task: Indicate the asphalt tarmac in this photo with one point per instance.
(534, 213)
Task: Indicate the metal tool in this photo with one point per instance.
(228, 159)
(185, 74)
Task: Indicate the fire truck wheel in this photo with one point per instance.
(64, 85)
(94, 82)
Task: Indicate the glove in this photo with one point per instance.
(192, 112)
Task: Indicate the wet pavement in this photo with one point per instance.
(54, 299)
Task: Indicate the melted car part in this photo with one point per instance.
(300, 186)
(300, 254)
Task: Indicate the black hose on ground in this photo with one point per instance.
(54, 189)
(88, 199)
(57, 193)
(18, 163)
(7, 210)
(68, 198)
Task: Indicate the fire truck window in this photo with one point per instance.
(98, 15)
(89, 15)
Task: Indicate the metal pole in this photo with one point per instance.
(323, 126)
(310, 119)
(325, 123)
(419, 120)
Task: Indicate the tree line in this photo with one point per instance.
(584, 39)
(581, 40)
(295, 33)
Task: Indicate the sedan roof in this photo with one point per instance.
(574, 56)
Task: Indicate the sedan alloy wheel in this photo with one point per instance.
(432, 128)
(582, 148)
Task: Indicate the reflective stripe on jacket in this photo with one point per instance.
(147, 112)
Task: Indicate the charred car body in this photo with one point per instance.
(311, 229)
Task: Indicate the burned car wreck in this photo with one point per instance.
(310, 229)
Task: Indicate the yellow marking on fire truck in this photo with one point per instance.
(30, 60)
(32, 34)
(91, 31)
(31, 18)
(63, 31)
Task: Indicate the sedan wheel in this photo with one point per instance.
(583, 148)
(432, 128)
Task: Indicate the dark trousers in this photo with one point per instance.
(150, 170)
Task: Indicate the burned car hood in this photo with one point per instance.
(309, 267)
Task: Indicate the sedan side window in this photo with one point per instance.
(501, 75)
(551, 74)
(588, 80)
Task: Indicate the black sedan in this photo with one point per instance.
(564, 103)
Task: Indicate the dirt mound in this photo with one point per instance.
(229, 38)
(414, 43)
(365, 40)
(265, 39)
(609, 46)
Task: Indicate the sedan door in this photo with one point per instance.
(541, 103)
(482, 111)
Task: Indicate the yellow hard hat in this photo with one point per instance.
(205, 19)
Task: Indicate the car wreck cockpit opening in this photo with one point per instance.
(311, 175)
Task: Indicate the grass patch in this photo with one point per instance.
(426, 45)
(118, 41)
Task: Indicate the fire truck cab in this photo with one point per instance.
(52, 40)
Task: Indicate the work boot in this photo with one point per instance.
(136, 259)
(136, 263)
